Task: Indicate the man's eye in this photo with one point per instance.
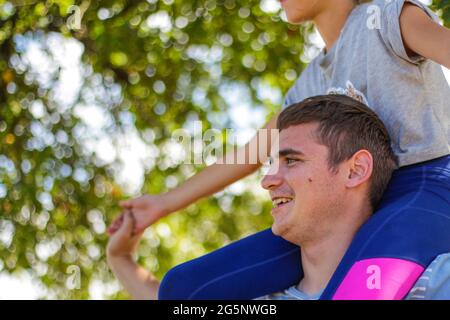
(291, 161)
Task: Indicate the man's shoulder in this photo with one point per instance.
(277, 296)
(291, 293)
(434, 283)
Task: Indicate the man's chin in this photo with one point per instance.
(274, 230)
(284, 233)
(296, 20)
(278, 230)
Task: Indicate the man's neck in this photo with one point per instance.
(331, 21)
(321, 257)
(319, 261)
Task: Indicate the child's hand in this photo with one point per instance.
(124, 241)
(146, 210)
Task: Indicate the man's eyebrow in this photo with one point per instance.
(289, 152)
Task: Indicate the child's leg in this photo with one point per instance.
(254, 266)
(410, 229)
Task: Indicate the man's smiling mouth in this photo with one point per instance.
(280, 201)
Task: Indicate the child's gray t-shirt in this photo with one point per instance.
(409, 94)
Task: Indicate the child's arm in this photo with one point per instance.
(217, 176)
(423, 36)
(149, 208)
(137, 281)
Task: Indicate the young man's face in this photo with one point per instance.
(298, 11)
(300, 177)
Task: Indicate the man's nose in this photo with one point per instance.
(272, 179)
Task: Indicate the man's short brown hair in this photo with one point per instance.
(345, 127)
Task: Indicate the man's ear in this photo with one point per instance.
(360, 167)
